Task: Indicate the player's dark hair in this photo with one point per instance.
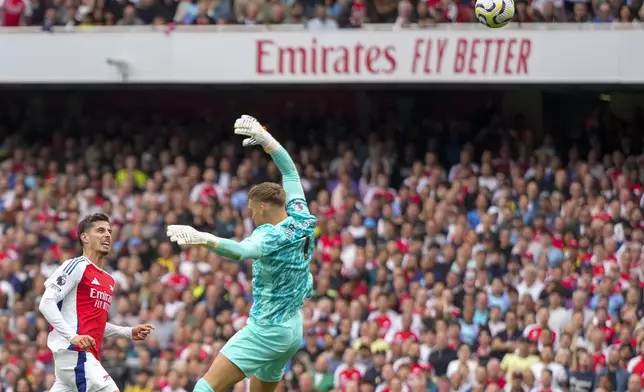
(88, 222)
(268, 192)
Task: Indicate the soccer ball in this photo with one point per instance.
(494, 13)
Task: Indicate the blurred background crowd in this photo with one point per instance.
(312, 14)
(458, 248)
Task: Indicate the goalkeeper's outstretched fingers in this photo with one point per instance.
(255, 133)
(184, 235)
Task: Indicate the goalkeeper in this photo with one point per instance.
(281, 248)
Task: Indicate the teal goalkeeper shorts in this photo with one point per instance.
(264, 350)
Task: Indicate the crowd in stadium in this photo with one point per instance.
(451, 255)
(315, 15)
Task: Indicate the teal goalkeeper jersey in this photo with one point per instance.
(281, 253)
(281, 277)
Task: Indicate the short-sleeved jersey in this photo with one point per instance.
(84, 294)
(281, 277)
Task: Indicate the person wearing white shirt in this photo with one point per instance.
(464, 168)
(546, 382)
(496, 323)
(530, 285)
(7, 289)
(349, 252)
(464, 359)
(207, 188)
(540, 5)
(356, 227)
(558, 373)
(558, 313)
(406, 322)
(579, 300)
(174, 384)
(488, 179)
(405, 9)
(321, 21)
(349, 364)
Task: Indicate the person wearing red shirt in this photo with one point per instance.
(355, 287)
(533, 332)
(404, 332)
(329, 240)
(495, 374)
(547, 338)
(348, 371)
(239, 316)
(603, 322)
(383, 316)
(176, 280)
(382, 192)
(13, 12)
(598, 349)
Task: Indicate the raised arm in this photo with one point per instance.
(290, 177)
(257, 135)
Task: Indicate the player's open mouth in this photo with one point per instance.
(106, 243)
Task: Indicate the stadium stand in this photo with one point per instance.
(458, 247)
(326, 15)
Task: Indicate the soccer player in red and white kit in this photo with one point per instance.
(76, 303)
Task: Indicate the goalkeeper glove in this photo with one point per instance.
(257, 135)
(186, 235)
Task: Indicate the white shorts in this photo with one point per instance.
(80, 372)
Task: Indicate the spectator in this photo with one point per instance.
(625, 15)
(202, 17)
(50, 20)
(524, 13)
(130, 17)
(634, 383)
(277, 15)
(251, 14)
(442, 355)
(422, 11)
(296, 15)
(356, 15)
(580, 14)
(338, 13)
(404, 15)
(603, 14)
(13, 12)
(321, 21)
